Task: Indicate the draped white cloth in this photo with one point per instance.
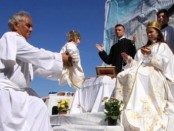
(90, 97)
(21, 112)
(74, 75)
(145, 89)
(83, 122)
(18, 110)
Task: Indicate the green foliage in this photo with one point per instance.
(113, 109)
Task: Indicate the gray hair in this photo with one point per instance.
(17, 18)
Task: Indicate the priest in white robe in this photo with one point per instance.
(144, 85)
(18, 62)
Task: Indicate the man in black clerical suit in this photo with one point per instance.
(123, 45)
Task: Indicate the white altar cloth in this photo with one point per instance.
(87, 128)
(83, 122)
(89, 97)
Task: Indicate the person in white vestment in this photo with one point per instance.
(19, 60)
(73, 75)
(144, 85)
(166, 29)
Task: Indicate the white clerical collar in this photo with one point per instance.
(122, 37)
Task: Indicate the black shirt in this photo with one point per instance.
(114, 58)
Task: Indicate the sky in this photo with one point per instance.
(52, 19)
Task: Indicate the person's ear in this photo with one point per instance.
(16, 26)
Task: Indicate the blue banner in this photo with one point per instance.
(134, 15)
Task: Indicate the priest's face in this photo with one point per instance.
(152, 33)
(119, 31)
(24, 27)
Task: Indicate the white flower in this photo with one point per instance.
(105, 111)
(121, 106)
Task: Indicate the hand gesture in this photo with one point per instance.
(126, 57)
(146, 51)
(99, 47)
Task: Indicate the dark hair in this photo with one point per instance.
(163, 11)
(160, 37)
(117, 25)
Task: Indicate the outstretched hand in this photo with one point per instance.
(67, 60)
(146, 51)
(126, 57)
(99, 47)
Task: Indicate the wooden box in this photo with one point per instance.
(106, 70)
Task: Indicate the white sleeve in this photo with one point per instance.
(52, 75)
(160, 59)
(46, 60)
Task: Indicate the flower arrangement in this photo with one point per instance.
(63, 105)
(112, 110)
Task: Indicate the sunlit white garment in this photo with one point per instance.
(95, 89)
(168, 33)
(144, 88)
(18, 110)
(74, 75)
